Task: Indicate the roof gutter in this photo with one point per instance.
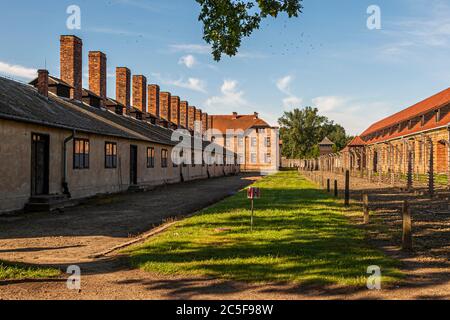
(411, 134)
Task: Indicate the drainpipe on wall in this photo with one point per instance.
(65, 184)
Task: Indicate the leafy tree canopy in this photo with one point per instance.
(226, 22)
(302, 131)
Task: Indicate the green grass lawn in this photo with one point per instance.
(301, 235)
(14, 271)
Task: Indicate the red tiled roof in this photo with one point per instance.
(243, 122)
(357, 142)
(438, 100)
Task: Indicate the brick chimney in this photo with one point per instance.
(198, 119)
(71, 64)
(140, 92)
(42, 82)
(235, 115)
(256, 115)
(191, 117)
(210, 122)
(175, 110)
(164, 105)
(184, 113)
(97, 74)
(153, 100)
(123, 83)
(198, 115)
(204, 122)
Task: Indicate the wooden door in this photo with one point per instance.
(39, 164)
(133, 165)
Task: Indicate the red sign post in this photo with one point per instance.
(252, 194)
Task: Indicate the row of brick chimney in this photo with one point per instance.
(147, 100)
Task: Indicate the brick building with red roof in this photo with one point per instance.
(256, 143)
(417, 136)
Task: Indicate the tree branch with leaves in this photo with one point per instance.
(226, 22)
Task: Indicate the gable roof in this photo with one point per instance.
(434, 102)
(356, 142)
(242, 122)
(22, 102)
(326, 142)
(152, 132)
(52, 81)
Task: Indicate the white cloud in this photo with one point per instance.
(17, 71)
(194, 84)
(205, 49)
(355, 115)
(328, 104)
(153, 7)
(284, 85)
(189, 61)
(190, 48)
(431, 30)
(292, 102)
(231, 98)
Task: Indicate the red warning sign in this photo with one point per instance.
(253, 193)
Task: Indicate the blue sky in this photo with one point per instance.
(326, 58)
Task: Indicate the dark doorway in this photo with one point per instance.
(39, 164)
(133, 165)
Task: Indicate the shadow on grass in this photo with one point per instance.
(301, 235)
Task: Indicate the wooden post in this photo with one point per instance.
(328, 185)
(251, 221)
(407, 227)
(366, 208)
(336, 191)
(347, 188)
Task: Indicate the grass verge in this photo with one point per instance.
(301, 235)
(17, 271)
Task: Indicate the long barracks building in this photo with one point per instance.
(415, 140)
(61, 141)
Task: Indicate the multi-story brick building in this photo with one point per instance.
(253, 140)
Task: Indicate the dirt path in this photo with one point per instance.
(114, 280)
(75, 235)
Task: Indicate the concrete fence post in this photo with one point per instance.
(409, 177)
(366, 208)
(431, 170)
(407, 227)
(336, 191)
(347, 188)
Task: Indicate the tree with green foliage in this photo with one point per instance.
(226, 22)
(301, 130)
